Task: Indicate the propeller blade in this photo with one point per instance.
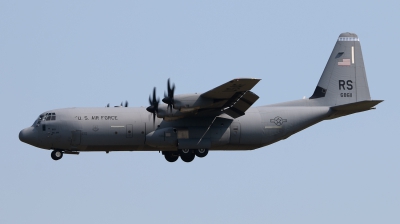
(154, 95)
(169, 96)
(153, 108)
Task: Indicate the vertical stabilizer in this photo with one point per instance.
(343, 80)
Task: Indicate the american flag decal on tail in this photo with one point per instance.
(344, 62)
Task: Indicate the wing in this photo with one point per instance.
(232, 98)
(235, 96)
(236, 106)
(228, 90)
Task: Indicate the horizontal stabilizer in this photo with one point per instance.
(351, 108)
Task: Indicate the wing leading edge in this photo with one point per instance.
(229, 89)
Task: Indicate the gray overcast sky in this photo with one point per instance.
(56, 54)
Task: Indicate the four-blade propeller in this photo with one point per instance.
(154, 101)
(122, 104)
(169, 96)
(153, 108)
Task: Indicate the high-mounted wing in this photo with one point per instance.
(232, 98)
(229, 89)
(237, 94)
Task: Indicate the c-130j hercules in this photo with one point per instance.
(189, 125)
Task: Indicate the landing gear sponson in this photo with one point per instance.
(187, 155)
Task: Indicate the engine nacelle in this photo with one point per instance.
(191, 102)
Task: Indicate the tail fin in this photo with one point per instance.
(344, 80)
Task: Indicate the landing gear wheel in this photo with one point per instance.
(187, 155)
(56, 155)
(171, 157)
(201, 152)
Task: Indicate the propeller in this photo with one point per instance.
(169, 97)
(126, 104)
(153, 108)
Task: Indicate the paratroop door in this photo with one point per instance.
(235, 133)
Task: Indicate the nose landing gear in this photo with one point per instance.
(56, 154)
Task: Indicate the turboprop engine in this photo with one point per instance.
(191, 102)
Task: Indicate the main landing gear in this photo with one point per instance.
(187, 155)
(56, 154)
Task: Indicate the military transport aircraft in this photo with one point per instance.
(189, 125)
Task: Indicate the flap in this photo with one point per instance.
(241, 105)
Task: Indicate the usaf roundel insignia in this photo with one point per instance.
(278, 121)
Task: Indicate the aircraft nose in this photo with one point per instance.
(28, 136)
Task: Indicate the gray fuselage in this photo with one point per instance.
(132, 129)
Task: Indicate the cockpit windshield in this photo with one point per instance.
(49, 117)
(46, 117)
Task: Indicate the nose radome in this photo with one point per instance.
(28, 136)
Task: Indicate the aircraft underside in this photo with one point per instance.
(171, 154)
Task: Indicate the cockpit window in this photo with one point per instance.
(49, 117)
(39, 120)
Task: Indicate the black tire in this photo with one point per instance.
(171, 157)
(201, 152)
(56, 154)
(187, 155)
